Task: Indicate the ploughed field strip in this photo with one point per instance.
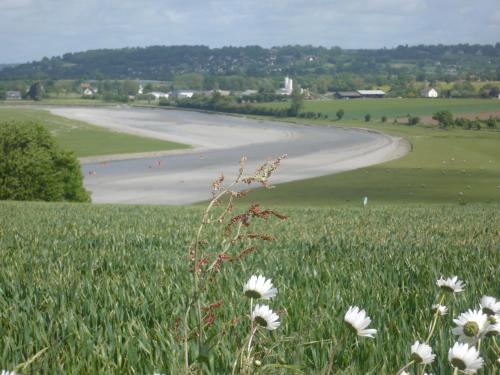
(219, 142)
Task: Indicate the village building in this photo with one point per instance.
(348, 95)
(183, 94)
(288, 87)
(372, 93)
(248, 93)
(429, 93)
(89, 91)
(159, 95)
(13, 95)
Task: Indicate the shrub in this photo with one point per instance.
(413, 120)
(33, 167)
(340, 114)
(384, 118)
(444, 118)
(368, 117)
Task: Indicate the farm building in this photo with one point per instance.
(372, 93)
(158, 94)
(89, 91)
(429, 93)
(348, 95)
(288, 87)
(13, 95)
(183, 94)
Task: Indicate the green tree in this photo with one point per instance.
(297, 102)
(444, 118)
(33, 167)
(130, 87)
(340, 113)
(35, 91)
(491, 123)
(413, 120)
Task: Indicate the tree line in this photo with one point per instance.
(238, 64)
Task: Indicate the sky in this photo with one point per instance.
(32, 29)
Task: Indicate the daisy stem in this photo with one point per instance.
(455, 372)
(400, 371)
(496, 345)
(478, 345)
(423, 370)
(434, 320)
(331, 357)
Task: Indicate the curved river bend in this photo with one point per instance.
(218, 141)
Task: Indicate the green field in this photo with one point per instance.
(356, 109)
(85, 139)
(99, 289)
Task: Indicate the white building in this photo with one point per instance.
(288, 87)
(372, 93)
(288, 84)
(429, 93)
(184, 94)
(89, 91)
(158, 95)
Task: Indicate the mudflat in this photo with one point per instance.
(185, 176)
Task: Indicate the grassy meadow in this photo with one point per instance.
(85, 139)
(99, 289)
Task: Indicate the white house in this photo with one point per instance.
(159, 95)
(429, 93)
(184, 94)
(89, 91)
(13, 95)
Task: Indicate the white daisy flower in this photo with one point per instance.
(466, 358)
(365, 201)
(492, 319)
(441, 309)
(359, 321)
(265, 317)
(470, 325)
(490, 305)
(493, 330)
(422, 353)
(258, 287)
(6, 372)
(451, 284)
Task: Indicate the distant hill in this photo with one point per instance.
(451, 62)
(4, 66)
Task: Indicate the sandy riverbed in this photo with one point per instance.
(180, 177)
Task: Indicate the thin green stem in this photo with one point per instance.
(434, 320)
(331, 356)
(455, 372)
(400, 371)
(479, 345)
(496, 345)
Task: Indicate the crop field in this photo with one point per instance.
(87, 140)
(356, 109)
(100, 289)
